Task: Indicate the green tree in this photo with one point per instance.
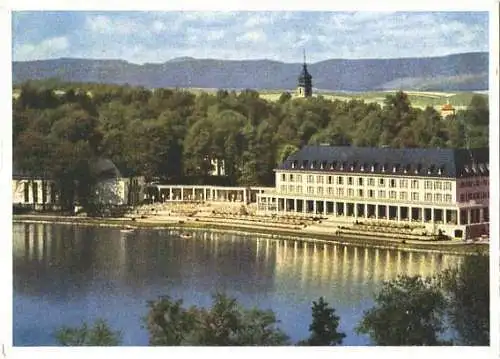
(226, 323)
(324, 326)
(467, 290)
(408, 311)
(286, 151)
(198, 149)
(100, 334)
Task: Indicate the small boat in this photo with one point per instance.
(127, 229)
(186, 235)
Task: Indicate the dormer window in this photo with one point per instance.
(341, 166)
(373, 168)
(384, 167)
(406, 169)
(334, 165)
(323, 165)
(294, 164)
(466, 168)
(419, 168)
(440, 171)
(304, 164)
(430, 170)
(362, 167)
(474, 169)
(395, 168)
(488, 166)
(313, 164)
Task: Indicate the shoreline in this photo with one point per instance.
(370, 241)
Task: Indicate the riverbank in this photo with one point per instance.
(262, 229)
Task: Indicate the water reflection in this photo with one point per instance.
(66, 266)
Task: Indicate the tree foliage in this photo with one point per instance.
(324, 326)
(467, 290)
(407, 311)
(226, 323)
(100, 334)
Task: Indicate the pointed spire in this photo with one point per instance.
(304, 50)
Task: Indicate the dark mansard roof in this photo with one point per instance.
(427, 162)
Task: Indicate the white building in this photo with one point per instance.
(36, 193)
(443, 190)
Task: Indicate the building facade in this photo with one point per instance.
(36, 193)
(444, 190)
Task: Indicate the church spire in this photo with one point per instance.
(304, 88)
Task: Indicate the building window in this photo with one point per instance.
(414, 196)
(340, 192)
(428, 197)
(283, 188)
(299, 178)
(371, 193)
(381, 182)
(340, 180)
(291, 188)
(360, 181)
(428, 185)
(350, 192)
(403, 183)
(438, 185)
(330, 178)
(319, 179)
(52, 193)
(35, 192)
(462, 197)
(319, 190)
(26, 192)
(360, 193)
(392, 194)
(283, 177)
(447, 186)
(469, 196)
(291, 178)
(310, 189)
(381, 194)
(403, 196)
(298, 189)
(310, 179)
(392, 183)
(414, 184)
(330, 190)
(349, 181)
(371, 182)
(438, 197)
(44, 192)
(447, 198)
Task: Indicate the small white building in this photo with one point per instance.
(35, 192)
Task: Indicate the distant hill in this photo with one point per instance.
(460, 72)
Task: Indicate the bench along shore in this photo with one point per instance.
(243, 219)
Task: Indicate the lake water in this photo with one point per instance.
(65, 274)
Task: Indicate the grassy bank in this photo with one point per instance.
(458, 248)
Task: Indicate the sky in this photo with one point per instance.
(156, 37)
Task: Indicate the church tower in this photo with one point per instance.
(304, 88)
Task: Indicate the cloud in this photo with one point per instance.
(107, 25)
(48, 48)
(253, 36)
(159, 36)
(159, 26)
